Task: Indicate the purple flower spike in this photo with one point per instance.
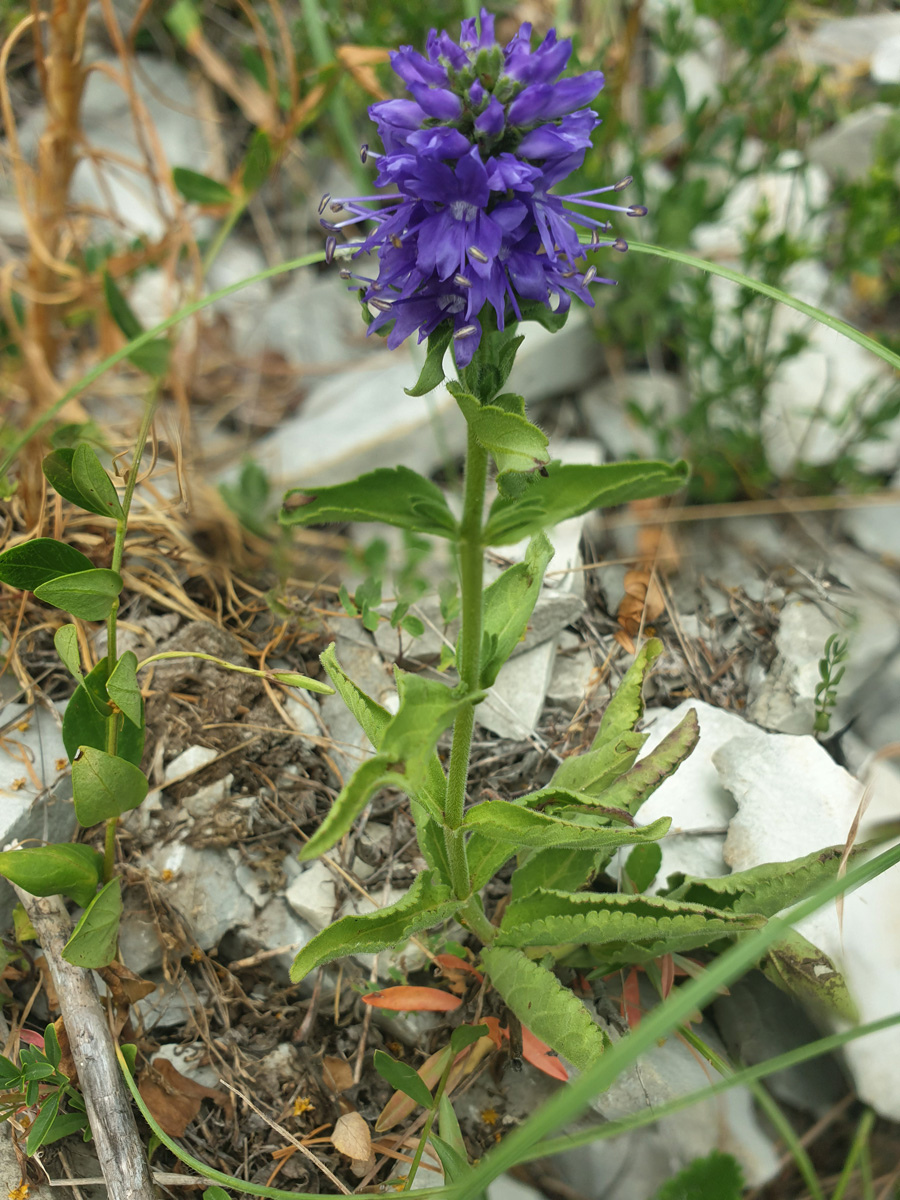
(469, 219)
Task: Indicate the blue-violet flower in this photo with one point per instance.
(470, 160)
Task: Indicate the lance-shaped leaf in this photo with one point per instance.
(524, 827)
(395, 495)
(200, 189)
(407, 744)
(599, 767)
(565, 870)
(95, 937)
(87, 594)
(550, 1011)
(552, 918)
(572, 489)
(508, 605)
(93, 483)
(432, 373)
(104, 786)
(626, 707)
(66, 642)
(802, 970)
(767, 889)
(403, 1078)
(65, 870)
(123, 689)
(637, 785)
(86, 720)
(40, 561)
(516, 444)
(425, 904)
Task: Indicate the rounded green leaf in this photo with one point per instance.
(86, 594)
(104, 786)
(65, 870)
(86, 720)
(94, 484)
(58, 467)
(40, 561)
(123, 689)
(95, 937)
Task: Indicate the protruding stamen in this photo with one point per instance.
(364, 152)
(323, 203)
(466, 331)
(623, 183)
(620, 244)
(478, 255)
(345, 273)
(330, 246)
(637, 210)
(462, 281)
(589, 276)
(595, 238)
(381, 305)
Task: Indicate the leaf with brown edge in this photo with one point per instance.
(124, 986)
(173, 1099)
(337, 1073)
(412, 999)
(352, 1138)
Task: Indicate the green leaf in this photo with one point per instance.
(42, 1122)
(258, 162)
(86, 594)
(32, 564)
(119, 308)
(59, 470)
(570, 490)
(466, 1035)
(486, 856)
(508, 605)
(94, 484)
(626, 707)
(10, 1075)
(66, 642)
(94, 938)
(535, 310)
(199, 189)
(505, 362)
(456, 1165)
(565, 870)
(368, 779)
(54, 870)
(215, 1193)
(64, 1125)
(552, 918)
(394, 495)
(716, 1177)
(51, 1045)
(642, 865)
(637, 785)
(86, 720)
(432, 373)
(767, 889)
(516, 444)
(104, 786)
(403, 1078)
(152, 357)
(598, 768)
(802, 970)
(543, 1005)
(523, 827)
(123, 689)
(425, 904)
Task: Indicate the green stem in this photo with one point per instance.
(860, 1141)
(221, 235)
(429, 1122)
(471, 571)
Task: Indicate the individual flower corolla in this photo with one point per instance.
(467, 217)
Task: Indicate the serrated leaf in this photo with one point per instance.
(95, 937)
(799, 968)
(123, 689)
(200, 189)
(572, 489)
(767, 889)
(66, 642)
(86, 594)
(67, 870)
(716, 1177)
(508, 604)
(642, 865)
(508, 822)
(403, 1078)
(395, 495)
(40, 1127)
(505, 362)
(514, 443)
(32, 564)
(104, 786)
(432, 373)
(626, 707)
(93, 483)
(550, 1011)
(425, 904)
(486, 856)
(565, 870)
(86, 720)
(600, 767)
(553, 918)
(637, 785)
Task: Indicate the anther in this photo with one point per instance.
(323, 203)
(337, 206)
(466, 331)
(620, 244)
(623, 183)
(396, 241)
(364, 152)
(478, 255)
(329, 224)
(381, 305)
(462, 281)
(637, 210)
(595, 238)
(345, 273)
(589, 276)
(330, 246)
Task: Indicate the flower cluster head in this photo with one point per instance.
(470, 160)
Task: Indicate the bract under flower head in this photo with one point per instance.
(469, 219)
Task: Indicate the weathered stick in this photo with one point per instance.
(119, 1148)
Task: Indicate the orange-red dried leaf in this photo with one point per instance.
(631, 999)
(667, 973)
(540, 1055)
(413, 999)
(452, 962)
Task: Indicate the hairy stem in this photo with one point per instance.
(471, 571)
